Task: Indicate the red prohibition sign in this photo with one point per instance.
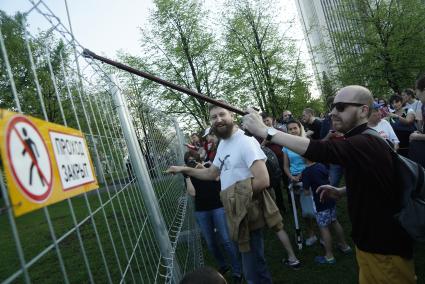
(22, 132)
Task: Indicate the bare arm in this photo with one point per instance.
(295, 143)
(410, 118)
(417, 136)
(190, 188)
(286, 165)
(286, 169)
(260, 180)
(254, 124)
(210, 173)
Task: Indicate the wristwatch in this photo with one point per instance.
(271, 131)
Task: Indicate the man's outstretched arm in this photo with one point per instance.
(254, 124)
(210, 173)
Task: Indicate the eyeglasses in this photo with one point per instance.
(340, 106)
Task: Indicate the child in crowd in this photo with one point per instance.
(313, 176)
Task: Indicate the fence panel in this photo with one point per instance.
(109, 234)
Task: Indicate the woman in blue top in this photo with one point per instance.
(293, 166)
(293, 163)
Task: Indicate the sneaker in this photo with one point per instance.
(323, 260)
(294, 264)
(344, 250)
(310, 241)
(223, 270)
(237, 279)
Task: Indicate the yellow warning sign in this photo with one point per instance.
(44, 162)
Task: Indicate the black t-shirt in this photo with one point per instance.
(326, 126)
(314, 176)
(316, 126)
(207, 194)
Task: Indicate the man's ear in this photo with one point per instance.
(364, 112)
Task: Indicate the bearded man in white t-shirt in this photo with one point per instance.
(238, 157)
(382, 126)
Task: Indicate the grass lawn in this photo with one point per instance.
(35, 237)
(125, 213)
(344, 271)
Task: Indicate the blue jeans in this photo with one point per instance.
(335, 174)
(216, 218)
(254, 263)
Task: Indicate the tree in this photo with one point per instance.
(13, 34)
(180, 48)
(44, 48)
(383, 49)
(328, 89)
(262, 64)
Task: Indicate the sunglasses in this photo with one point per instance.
(340, 107)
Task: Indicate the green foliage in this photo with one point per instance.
(328, 89)
(251, 63)
(180, 48)
(44, 48)
(261, 62)
(383, 47)
(13, 34)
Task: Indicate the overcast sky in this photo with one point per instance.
(105, 26)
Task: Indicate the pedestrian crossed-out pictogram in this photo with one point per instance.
(29, 159)
(43, 162)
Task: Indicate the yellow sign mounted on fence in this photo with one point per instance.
(44, 162)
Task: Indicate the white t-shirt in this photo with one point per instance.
(386, 131)
(235, 157)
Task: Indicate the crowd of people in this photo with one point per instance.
(237, 191)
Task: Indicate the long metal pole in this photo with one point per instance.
(145, 185)
(89, 54)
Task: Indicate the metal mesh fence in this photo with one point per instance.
(110, 234)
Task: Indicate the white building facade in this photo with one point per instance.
(319, 21)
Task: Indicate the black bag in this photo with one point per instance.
(412, 180)
(417, 151)
(272, 164)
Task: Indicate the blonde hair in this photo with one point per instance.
(302, 132)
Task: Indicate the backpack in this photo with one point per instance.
(272, 164)
(412, 181)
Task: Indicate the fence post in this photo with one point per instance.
(180, 142)
(97, 163)
(192, 235)
(145, 185)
